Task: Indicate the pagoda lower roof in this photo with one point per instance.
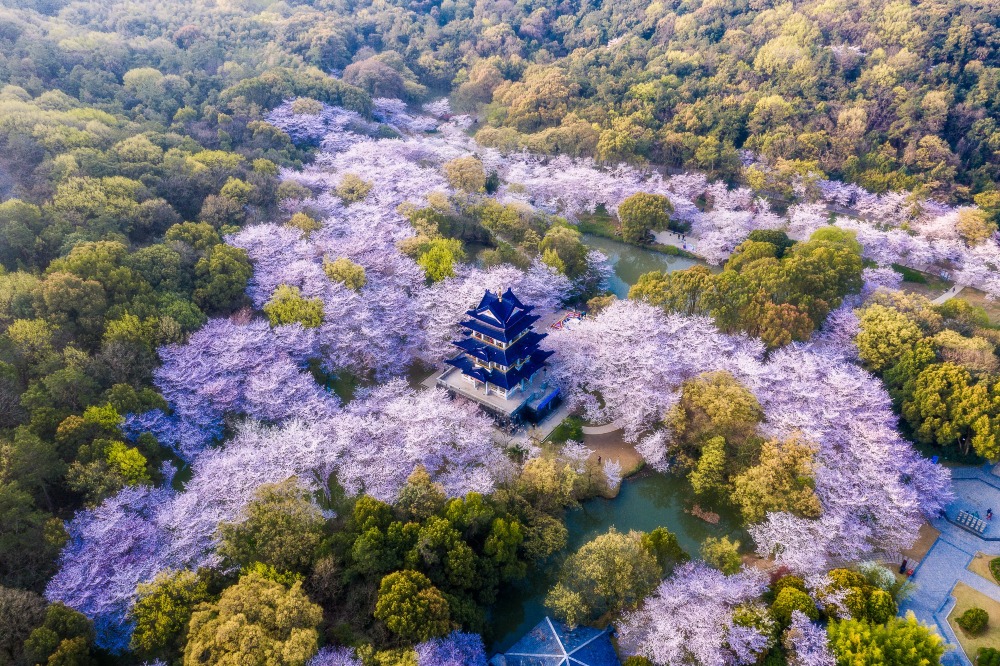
(487, 352)
(501, 334)
(505, 380)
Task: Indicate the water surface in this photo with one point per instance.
(631, 261)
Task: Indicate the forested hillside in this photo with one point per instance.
(227, 233)
(891, 95)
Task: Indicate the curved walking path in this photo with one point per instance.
(602, 429)
(951, 293)
(945, 564)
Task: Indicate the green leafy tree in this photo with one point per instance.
(613, 572)
(885, 335)
(987, 656)
(502, 548)
(281, 527)
(303, 223)
(103, 467)
(791, 599)
(708, 478)
(466, 174)
(353, 188)
(562, 249)
(715, 405)
(21, 612)
(255, 621)
(681, 291)
(411, 607)
(29, 539)
(663, 544)
(722, 554)
(221, 278)
(782, 481)
(973, 621)
(439, 257)
(442, 554)
(74, 305)
(287, 306)
(65, 637)
(345, 271)
(641, 213)
(420, 498)
(21, 239)
(948, 408)
(162, 612)
(898, 642)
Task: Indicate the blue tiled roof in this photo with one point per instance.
(503, 334)
(505, 380)
(509, 356)
(501, 318)
(505, 309)
(554, 644)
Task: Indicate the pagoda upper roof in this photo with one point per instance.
(501, 311)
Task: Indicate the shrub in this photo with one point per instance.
(344, 270)
(988, 657)
(722, 554)
(880, 606)
(353, 188)
(995, 568)
(974, 620)
(789, 600)
(788, 581)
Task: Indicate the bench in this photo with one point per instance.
(970, 522)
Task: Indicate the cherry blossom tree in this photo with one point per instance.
(689, 619)
(455, 649)
(111, 549)
(635, 357)
(230, 368)
(807, 643)
(335, 655)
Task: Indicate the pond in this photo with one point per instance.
(645, 502)
(631, 261)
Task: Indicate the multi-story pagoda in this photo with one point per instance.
(500, 353)
(501, 366)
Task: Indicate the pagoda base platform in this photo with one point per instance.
(532, 404)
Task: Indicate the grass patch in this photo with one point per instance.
(976, 297)
(672, 250)
(980, 565)
(967, 598)
(909, 274)
(570, 429)
(598, 224)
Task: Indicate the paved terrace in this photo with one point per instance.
(945, 564)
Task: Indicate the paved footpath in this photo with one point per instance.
(951, 293)
(945, 564)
